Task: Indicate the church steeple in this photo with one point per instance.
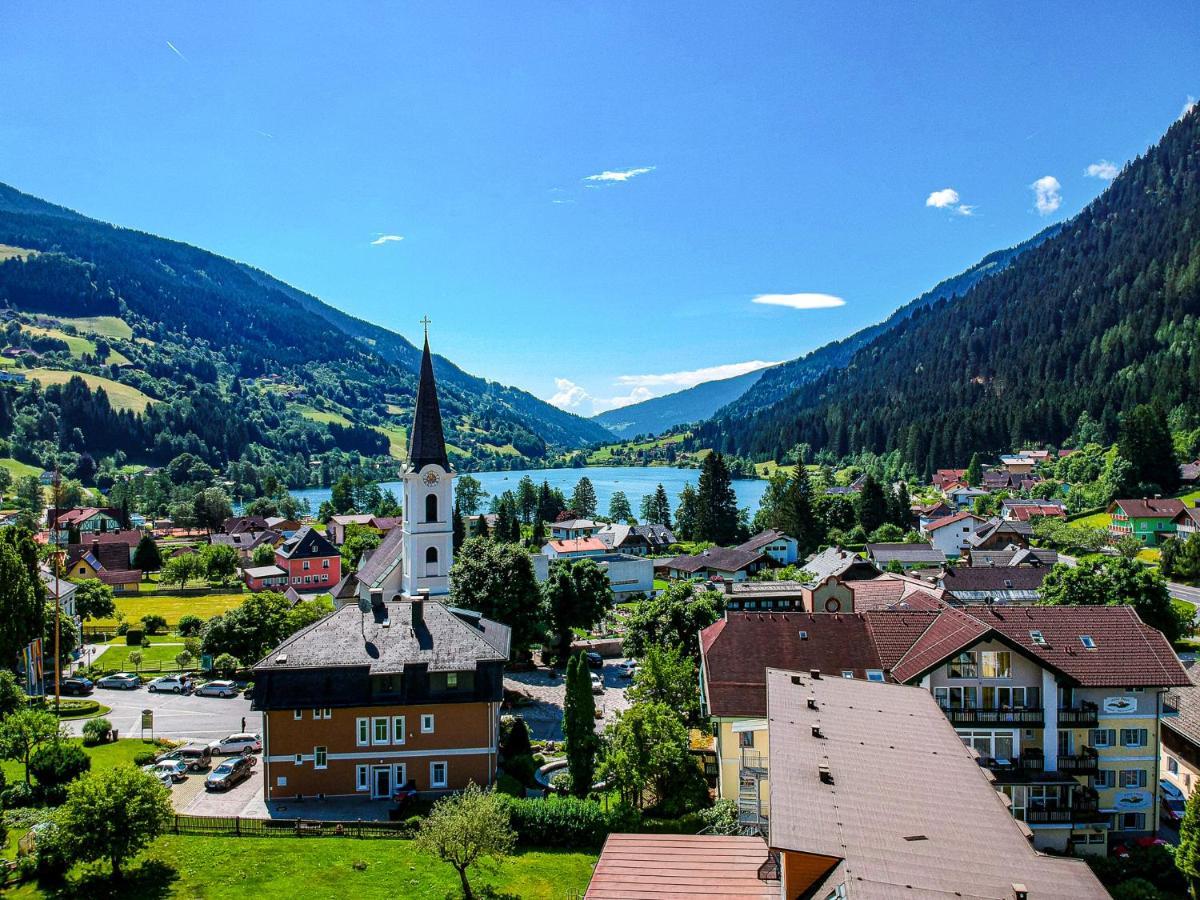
(427, 443)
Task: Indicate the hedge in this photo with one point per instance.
(565, 821)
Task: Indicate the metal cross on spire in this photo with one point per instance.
(425, 321)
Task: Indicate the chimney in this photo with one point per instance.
(418, 608)
(812, 702)
(1020, 892)
(814, 674)
(824, 773)
(816, 731)
(728, 585)
(376, 598)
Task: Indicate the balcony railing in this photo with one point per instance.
(1085, 716)
(1027, 716)
(1083, 806)
(1023, 765)
(754, 762)
(1084, 763)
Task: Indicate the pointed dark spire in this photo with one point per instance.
(426, 442)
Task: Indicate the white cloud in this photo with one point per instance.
(693, 377)
(386, 239)
(619, 174)
(1047, 195)
(800, 301)
(177, 51)
(637, 395)
(569, 394)
(965, 209)
(946, 197)
(1188, 106)
(1103, 169)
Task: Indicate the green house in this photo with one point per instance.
(1150, 521)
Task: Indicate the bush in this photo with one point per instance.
(560, 822)
(227, 662)
(562, 782)
(96, 731)
(16, 795)
(122, 629)
(522, 768)
(145, 757)
(514, 740)
(54, 766)
(133, 637)
(154, 623)
(53, 854)
(190, 625)
(77, 708)
(721, 817)
(506, 784)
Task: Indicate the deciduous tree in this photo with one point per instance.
(94, 600)
(577, 596)
(466, 827)
(113, 814)
(498, 581)
(619, 509)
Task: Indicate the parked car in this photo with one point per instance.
(121, 681)
(175, 769)
(76, 687)
(236, 743)
(197, 757)
(1172, 809)
(171, 684)
(228, 773)
(594, 659)
(627, 669)
(217, 689)
(597, 684)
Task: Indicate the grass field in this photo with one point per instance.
(1095, 520)
(106, 326)
(397, 436)
(104, 756)
(121, 396)
(171, 608)
(199, 868)
(506, 450)
(324, 416)
(116, 657)
(19, 469)
(77, 345)
(7, 251)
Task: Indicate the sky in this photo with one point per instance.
(599, 202)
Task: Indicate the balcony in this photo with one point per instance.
(1085, 762)
(1085, 715)
(1083, 806)
(754, 763)
(1022, 716)
(1028, 765)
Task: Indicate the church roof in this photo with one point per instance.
(427, 444)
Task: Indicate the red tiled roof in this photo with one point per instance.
(1025, 513)
(949, 633)
(950, 520)
(578, 545)
(673, 866)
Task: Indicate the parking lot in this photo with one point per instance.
(180, 717)
(546, 689)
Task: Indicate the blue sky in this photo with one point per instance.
(591, 196)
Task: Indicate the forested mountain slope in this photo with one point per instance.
(1101, 316)
(693, 404)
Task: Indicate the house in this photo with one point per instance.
(1059, 702)
(265, 578)
(1187, 521)
(774, 543)
(308, 560)
(83, 521)
(283, 524)
(471, 523)
(997, 534)
(624, 539)
(1015, 509)
(827, 588)
(1012, 555)
(60, 587)
(363, 702)
(949, 534)
(96, 556)
(1150, 521)
(683, 865)
(659, 538)
(243, 524)
(931, 511)
(894, 591)
(878, 798)
(909, 556)
(381, 525)
(1180, 736)
(754, 596)
(726, 563)
(943, 477)
(122, 582)
(246, 542)
(573, 529)
(853, 489)
(627, 574)
(1189, 473)
(993, 584)
(574, 548)
(1018, 465)
(963, 496)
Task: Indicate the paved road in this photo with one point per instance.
(547, 692)
(176, 716)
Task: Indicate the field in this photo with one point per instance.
(78, 346)
(506, 450)
(105, 756)
(9, 252)
(19, 469)
(199, 868)
(397, 436)
(105, 326)
(323, 416)
(121, 396)
(171, 608)
(158, 654)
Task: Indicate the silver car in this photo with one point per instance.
(168, 770)
(121, 681)
(217, 689)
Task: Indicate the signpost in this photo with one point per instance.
(147, 722)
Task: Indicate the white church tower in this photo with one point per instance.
(428, 494)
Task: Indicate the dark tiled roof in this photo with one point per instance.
(833, 562)
(377, 563)
(993, 578)
(114, 557)
(307, 543)
(763, 538)
(237, 524)
(657, 535)
(906, 553)
(385, 641)
(726, 559)
(427, 443)
(1190, 471)
(1149, 509)
(125, 576)
(1012, 555)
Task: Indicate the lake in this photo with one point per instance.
(636, 482)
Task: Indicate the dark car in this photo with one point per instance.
(230, 772)
(1172, 810)
(76, 687)
(197, 756)
(595, 660)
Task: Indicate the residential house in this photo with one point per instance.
(879, 799)
(1187, 521)
(949, 534)
(58, 587)
(364, 702)
(726, 563)
(265, 578)
(1180, 736)
(246, 542)
(283, 524)
(82, 521)
(621, 538)
(1015, 509)
(782, 548)
(827, 589)
(627, 574)
(471, 523)
(1063, 704)
(684, 865)
(1012, 555)
(892, 590)
(943, 477)
(659, 538)
(574, 548)
(1150, 521)
(931, 511)
(243, 524)
(108, 561)
(755, 596)
(963, 496)
(308, 560)
(573, 529)
(915, 555)
(1018, 465)
(993, 584)
(997, 534)
(1189, 473)
(381, 525)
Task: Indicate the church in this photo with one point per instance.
(395, 687)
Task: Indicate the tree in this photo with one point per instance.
(619, 509)
(190, 625)
(146, 557)
(135, 659)
(94, 600)
(716, 503)
(583, 498)
(550, 502)
(579, 725)
(647, 750)
(358, 540)
(469, 494)
(508, 526)
(656, 508)
(665, 675)
(227, 662)
(794, 513)
(1181, 558)
(12, 694)
(251, 628)
(1115, 581)
(459, 528)
(527, 499)
(219, 562)
(900, 511)
(26, 730)
(974, 473)
(498, 581)
(113, 814)
(577, 596)
(463, 828)
(673, 618)
(54, 766)
(1187, 855)
(1145, 441)
(182, 569)
(263, 554)
(341, 494)
(872, 505)
(687, 514)
(211, 508)
(30, 500)
(22, 593)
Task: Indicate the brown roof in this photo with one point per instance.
(908, 812)
(760, 540)
(1149, 509)
(111, 556)
(726, 559)
(949, 633)
(892, 593)
(1187, 723)
(950, 520)
(125, 576)
(672, 866)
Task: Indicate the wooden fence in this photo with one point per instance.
(239, 826)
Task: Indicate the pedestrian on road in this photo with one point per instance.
(243, 724)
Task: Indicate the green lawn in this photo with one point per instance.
(198, 868)
(108, 326)
(397, 436)
(105, 756)
(324, 416)
(171, 607)
(121, 396)
(1095, 520)
(76, 344)
(19, 469)
(116, 657)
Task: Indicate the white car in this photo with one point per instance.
(628, 669)
(170, 684)
(168, 771)
(217, 689)
(237, 743)
(597, 684)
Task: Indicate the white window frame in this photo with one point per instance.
(362, 778)
(847, 673)
(399, 732)
(362, 732)
(1140, 737)
(376, 740)
(433, 782)
(1132, 778)
(297, 714)
(874, 675)
(399, 775)
(298, 760)
(319, 752)
(1172, 765)
(427, 723)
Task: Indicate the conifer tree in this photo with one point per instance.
(795, 516)
(716, 507)
(974, 475)
(872, 505)
(579, 725)
(583, 500)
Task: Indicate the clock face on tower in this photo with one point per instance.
(430, 478)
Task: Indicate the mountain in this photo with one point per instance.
(1099, 317)
(216, 358)
(693, 404)
(755, 390)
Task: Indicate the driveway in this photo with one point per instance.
(180, 717)
(546, 690)
(245, 799)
